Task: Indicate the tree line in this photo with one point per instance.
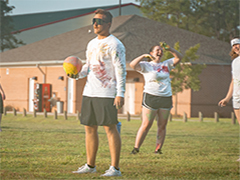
(7, 39)
(217, 19)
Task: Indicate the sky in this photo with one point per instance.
(37, 6)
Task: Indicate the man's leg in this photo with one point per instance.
(114, 141)
(91, 140)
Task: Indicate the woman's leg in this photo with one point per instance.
(237, 114)
(161, 131)
(147, 121)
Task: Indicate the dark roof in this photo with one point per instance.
(141, 33)
(137, 33)
(30, 20)
(27, 21)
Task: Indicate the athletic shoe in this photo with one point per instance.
(112, 171)
(238, 160)
(85, 169)
(135, 151)
(158, 151)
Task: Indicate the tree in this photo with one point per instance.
(222, 18)
(186, 74)
(8, 40)
(214, 18)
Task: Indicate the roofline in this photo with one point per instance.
(60, 62)
(34, 63)
(31, 63)
(45, 24)
(211, 63)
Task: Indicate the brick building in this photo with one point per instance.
(43, 60)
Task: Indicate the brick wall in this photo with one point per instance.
(215, 80)
(16, 84)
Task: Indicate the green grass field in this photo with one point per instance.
(44, 148)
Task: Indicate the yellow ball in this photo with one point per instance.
(72, 65)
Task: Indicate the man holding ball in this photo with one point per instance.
(103, 93)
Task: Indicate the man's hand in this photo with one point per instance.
(118, 102)
(74, 76)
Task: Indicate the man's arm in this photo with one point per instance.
(119, 62)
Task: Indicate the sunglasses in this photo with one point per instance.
(98, 21)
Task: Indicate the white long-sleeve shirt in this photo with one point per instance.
(105, 68)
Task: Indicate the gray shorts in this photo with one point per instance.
(98, 111)
(236, 104)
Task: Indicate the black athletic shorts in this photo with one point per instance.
(156, 102)
(98, 111)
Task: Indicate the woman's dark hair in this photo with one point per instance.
(151, 49)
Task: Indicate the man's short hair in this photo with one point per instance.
(108, 15)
